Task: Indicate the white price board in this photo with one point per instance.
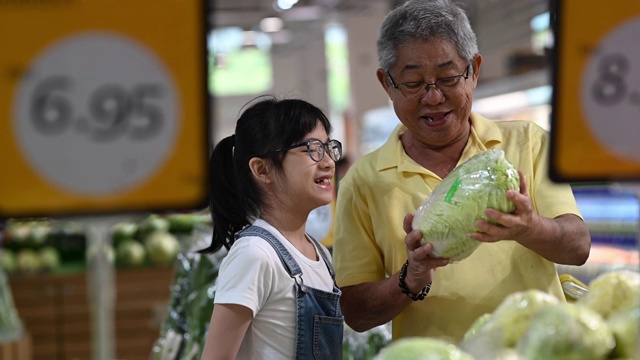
(595, 123)
(104, 106)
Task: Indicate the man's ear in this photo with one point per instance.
(260, 169)
(383, 79)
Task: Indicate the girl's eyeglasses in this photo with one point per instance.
(316, 149)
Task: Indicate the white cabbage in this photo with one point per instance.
(613, 291)
(448, 215)
(566, 331)
(422, 348)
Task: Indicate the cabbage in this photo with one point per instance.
(130, 253)
(566, 331)
(421, 348)
(613, 291)
(49, 258)
(448, 215)
(7, 260)
(625, 326)
(507, 324)
(476, 326)
(27, 261)
(162, 247)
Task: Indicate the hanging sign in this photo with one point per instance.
(595, 124)
(103, 106)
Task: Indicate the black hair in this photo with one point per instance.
(266, 124)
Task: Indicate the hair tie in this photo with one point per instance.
(233, 145)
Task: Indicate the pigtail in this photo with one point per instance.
(224, 191)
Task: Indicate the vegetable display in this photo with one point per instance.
(449, 213)
(566, 331)
(613, 291)
(598, 323)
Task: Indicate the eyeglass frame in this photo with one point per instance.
(307, 143)
(426, 85)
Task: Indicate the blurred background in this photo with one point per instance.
(319, 50)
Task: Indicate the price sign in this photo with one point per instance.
(103, 106)
(595, 126)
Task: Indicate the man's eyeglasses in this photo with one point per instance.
(316, 149)
(421, 88)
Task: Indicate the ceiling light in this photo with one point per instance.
(271, 24)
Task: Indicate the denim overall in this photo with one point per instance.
(319, 321)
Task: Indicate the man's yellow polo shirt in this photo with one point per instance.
(383, 186)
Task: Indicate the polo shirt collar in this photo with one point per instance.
(484, 135)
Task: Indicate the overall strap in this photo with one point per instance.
(287, 260)
(324, 256)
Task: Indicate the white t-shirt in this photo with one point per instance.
(252, 275)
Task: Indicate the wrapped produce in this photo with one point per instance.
(448, 215)
(613, 291)
(625, 326)
(507, 324)
(566, 331)
(422, 348)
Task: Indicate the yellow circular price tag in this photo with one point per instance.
(104, 106)
(595, 125)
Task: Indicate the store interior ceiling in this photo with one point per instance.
(489, 18)
(248, 13)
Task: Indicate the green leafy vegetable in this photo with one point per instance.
(448, 215)
(613, 291)
(566, 331)
(506, 325)
(625, 327)
(422, 348)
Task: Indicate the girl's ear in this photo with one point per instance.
(260, 169)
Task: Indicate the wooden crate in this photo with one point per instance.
(17, 350)
(57, 313)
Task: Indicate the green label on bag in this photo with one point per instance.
(452, 191)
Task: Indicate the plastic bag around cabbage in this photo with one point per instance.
(566, 331)
(613, 291)
(422, 348)
(625, 326)
(449, 213)
(492, 334)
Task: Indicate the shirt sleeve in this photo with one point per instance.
(550, 199)
(356, 257)
(245, 277)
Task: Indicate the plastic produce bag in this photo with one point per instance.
(613, 291)
(625, 326)
(422, 348)
(566, 331)
(492, 334)
(448, 215)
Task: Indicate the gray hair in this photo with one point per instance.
(425, 20)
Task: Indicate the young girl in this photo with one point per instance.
(276, 297)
